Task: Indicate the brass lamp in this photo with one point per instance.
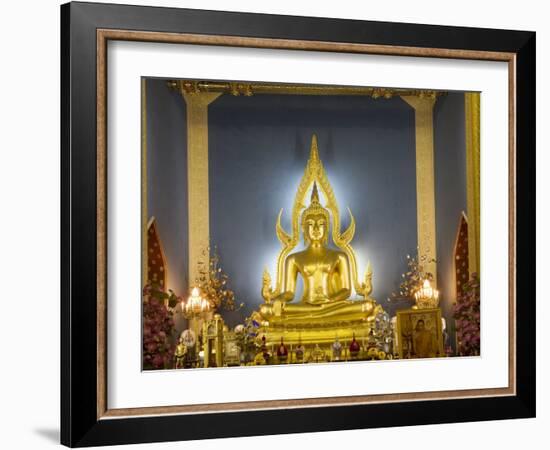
(426, 296)
(195, 309)
(195, 305)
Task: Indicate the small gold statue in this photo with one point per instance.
(317, 354)
(180, 354)
(336, 350)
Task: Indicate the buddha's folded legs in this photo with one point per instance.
(343, 310)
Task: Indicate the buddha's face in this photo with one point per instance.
(315, 228)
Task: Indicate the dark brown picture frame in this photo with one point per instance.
(85, 416)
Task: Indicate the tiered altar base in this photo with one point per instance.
(311, 334)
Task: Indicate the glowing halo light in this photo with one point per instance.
(359, 243)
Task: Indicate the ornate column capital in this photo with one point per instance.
(199, 99)
(420, 102)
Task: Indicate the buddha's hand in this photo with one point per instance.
(278, 308)
(319, 296)
(273, 309)
(373, 310)
(368, 306)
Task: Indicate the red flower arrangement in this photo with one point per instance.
(467, 316)
(158, 326)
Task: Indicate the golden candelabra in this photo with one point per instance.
(426, 296)
(195, 309)
(195, 305)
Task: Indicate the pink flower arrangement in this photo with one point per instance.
(467, 317)
(158, 326)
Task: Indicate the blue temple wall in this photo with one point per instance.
(167, 177)
(258, 149)
(450, 192)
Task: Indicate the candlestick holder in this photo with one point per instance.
(426, 296)
(196, 309)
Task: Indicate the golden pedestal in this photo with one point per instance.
(322, 333)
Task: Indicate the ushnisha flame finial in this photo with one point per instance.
(314, 194)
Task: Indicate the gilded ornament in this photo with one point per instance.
(330, 275)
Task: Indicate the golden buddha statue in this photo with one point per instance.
(329, 275)
(325, 273)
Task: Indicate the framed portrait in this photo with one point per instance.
(261, 212)
(420, 333)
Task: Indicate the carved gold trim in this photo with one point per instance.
(101, 223)
(512, 296)
(425, 180)
(249, 89)
(197, 177)
(472, 124)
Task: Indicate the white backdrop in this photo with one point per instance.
(30, 224)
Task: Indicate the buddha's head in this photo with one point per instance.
(315, 220)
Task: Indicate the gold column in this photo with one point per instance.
(197, 176)
(472, 124)
(425, 179)
(144, 218)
